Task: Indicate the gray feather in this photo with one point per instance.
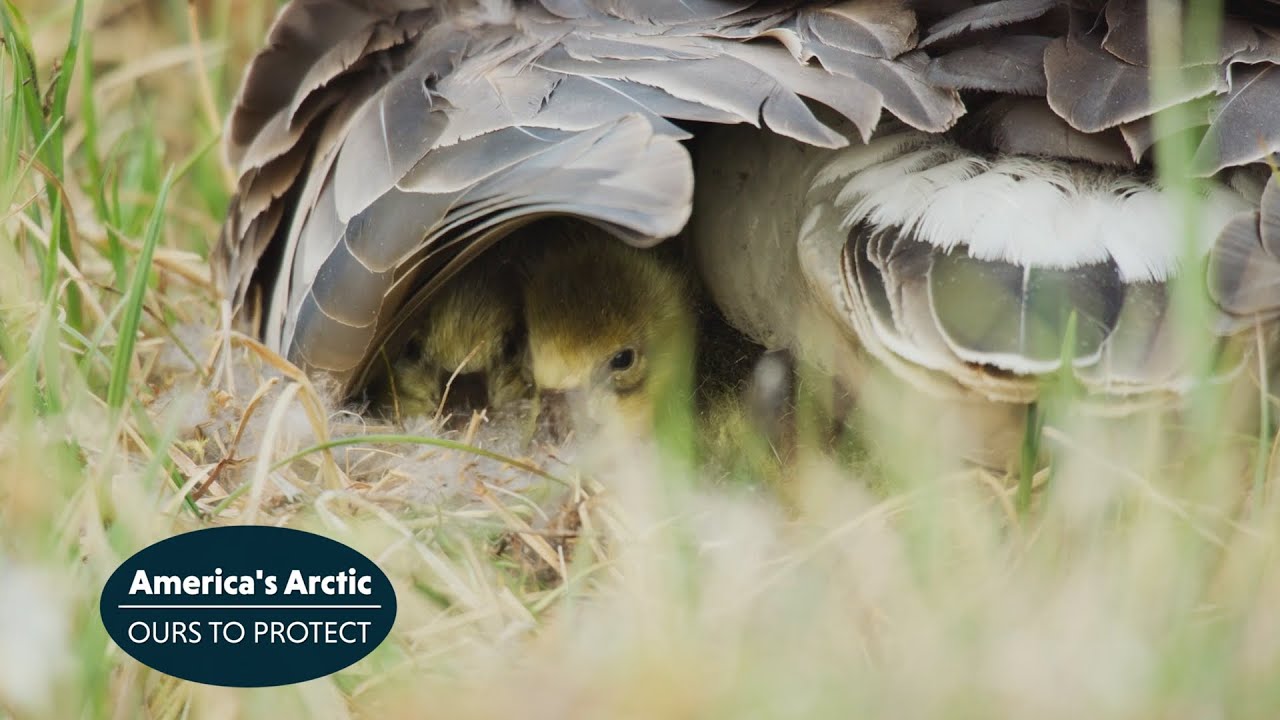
(868, 280)
(1143, 349)
(387, 138)
(1244, 279)
(1142, 134)
(569, 9)
(1244, 126)
(902, 270)
(452, 170)
(986, 15)
(672, 12)
(1269, 224)
(310, 45)
(906, 93)
(1028, 127)
(1267, 50)
(1093, 90)
(235, 263)
(1007, 64)
(321, 344)
(594, 48)
(1127, 36)
(877, 28)
(725, 84)
(857, 101)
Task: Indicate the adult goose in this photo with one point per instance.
(949, 185)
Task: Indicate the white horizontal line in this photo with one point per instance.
(249, 607)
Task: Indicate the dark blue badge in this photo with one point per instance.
(248, 606)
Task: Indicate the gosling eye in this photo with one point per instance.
(622, 360)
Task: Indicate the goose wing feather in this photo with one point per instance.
(377, 140)
(1221, 95)
(961, 271)
(380, 144)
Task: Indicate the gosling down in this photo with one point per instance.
(610, 328)
(466, 348)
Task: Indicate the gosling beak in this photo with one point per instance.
(564, 410)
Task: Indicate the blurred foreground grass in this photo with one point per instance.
(1134, 586)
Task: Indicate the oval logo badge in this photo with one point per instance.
(248, 606)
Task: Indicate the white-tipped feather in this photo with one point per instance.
(839, 167)
(959, 271)
(1028, 212)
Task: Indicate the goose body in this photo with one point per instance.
(954, 189)
(954, 269)
(382, 145)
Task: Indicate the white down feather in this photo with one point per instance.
(1028, 212)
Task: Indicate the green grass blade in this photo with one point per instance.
(136, 293)
(133, 300)
(17, 43)
(62, 86)
(50, 127)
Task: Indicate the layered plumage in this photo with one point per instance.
(951, 267)
(1083, 80)
(380, 145)
(948, 184)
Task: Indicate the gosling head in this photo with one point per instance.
(470, 341)
(609, 327)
